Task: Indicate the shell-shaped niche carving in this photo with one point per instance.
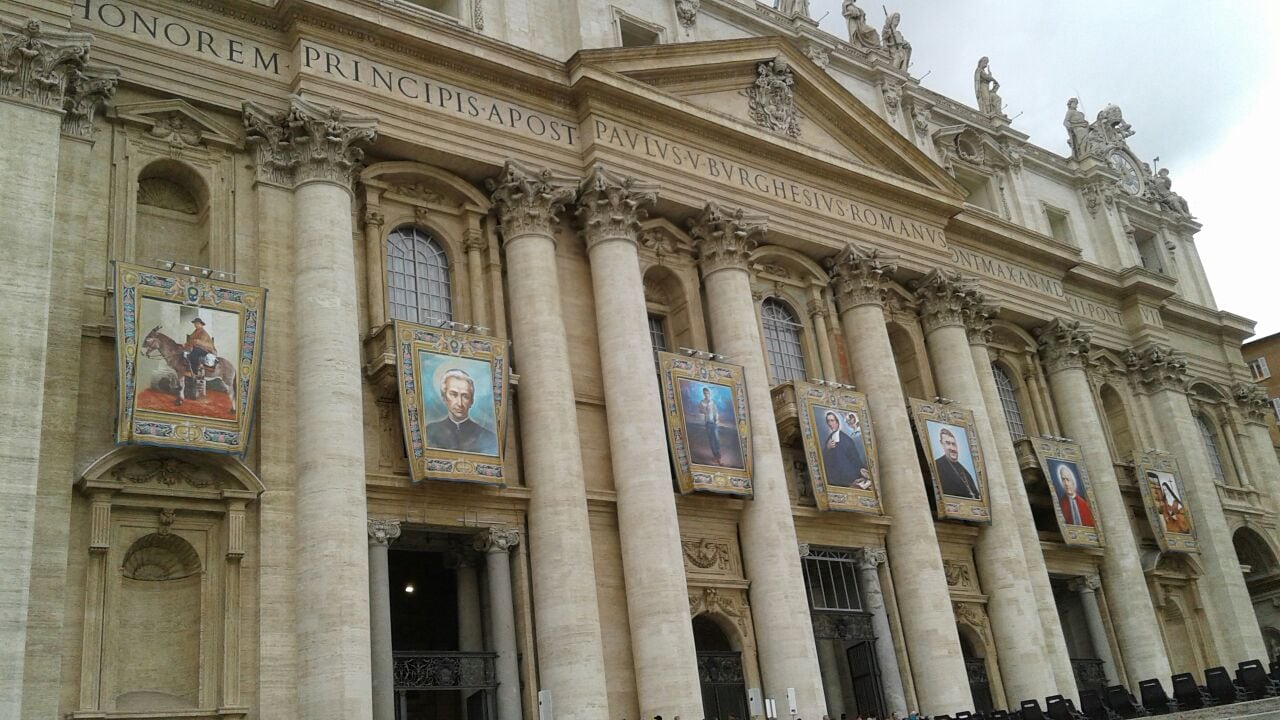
(157, 557)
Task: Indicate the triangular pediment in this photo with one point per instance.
(177, 122)
(738, 81)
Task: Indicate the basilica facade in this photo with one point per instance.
(1062, 478)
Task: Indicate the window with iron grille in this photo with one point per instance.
(1211, 447)
(832, 580)
(658, 332)
(417, 277)
(1009, 401)
(782, 341)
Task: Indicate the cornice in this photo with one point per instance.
(1027, 244)
(1233, 328)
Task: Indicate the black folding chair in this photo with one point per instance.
(1275, 670)
(1119, 699)
(1253, 679)
(1188, 693)
(1002, 715)
(1031, 710)
(1220, 685)
(1154, 698)
(1093, 708)
(1060, 708)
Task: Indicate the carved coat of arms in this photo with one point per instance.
(772, 98)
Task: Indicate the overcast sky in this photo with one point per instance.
(1198, 81)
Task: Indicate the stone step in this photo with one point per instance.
(1266, 709)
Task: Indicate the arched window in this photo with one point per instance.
(417, 277)
(1009, 401)
(782, 341)
(1211, 448)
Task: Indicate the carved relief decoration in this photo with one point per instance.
(958, 574)
(1158, 367)
(724, 238)
(772, 99)
(687, 11)
(971, 614)
(707, 554)
(611, 205)
(859, 276)
(529, 201)
(730, 603)
(945, 296)
(162, 193)
(90, 89)
(421, 192)
(166, 471)
(818, 54)
(1252, 400)
(843, 626)
(309, 141)
(1064, 344)
(36, 65)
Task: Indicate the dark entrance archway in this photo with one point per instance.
(975, 663)
(724, 689)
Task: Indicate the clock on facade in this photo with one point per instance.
(1130, 180)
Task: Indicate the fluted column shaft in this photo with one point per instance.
(1064, 346)
(382, 660)
(1162, 374)
(920, 585)
(570, 648)
(496, 544)
(1015, 617)
(1087, 587)
(818, 314)
(869, 562)
(610, 208)
(788, 656)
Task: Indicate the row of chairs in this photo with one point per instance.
(1252, 681)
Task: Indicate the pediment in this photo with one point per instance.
(744, 82)
(142, 470)
(178, 123)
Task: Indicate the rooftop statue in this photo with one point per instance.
(860, 33)
(1162, 189)
(1106, 133)
(894, 41)
(794, 7)
(986, 87)
(1077, 126)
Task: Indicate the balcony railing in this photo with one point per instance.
(445, 671)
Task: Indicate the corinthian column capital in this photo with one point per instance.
(1158, 367)
(871, 558)
(978, 317)
(37, 65)
(724, 238)
(1085, 584)
(945, 296)
(382, 532)
(611, 205)
(859, 276)
(496, 539)
(1252, 401)
(88, 90)
(266, 133)
(1064, 344)
(529, 201)
(327, 140)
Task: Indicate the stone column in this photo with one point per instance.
(570, 649)
(382, 662)
(496, 544)
(39, 65)
(470, 627)
(375, 276)
(610, 208)
(818, 314)
(928, 626)
(1065, 347)
(788, 657)
(474, 242)
(1087, 587)
(869, 562)
(978, 324)
(1161, 373)
(1015, 618)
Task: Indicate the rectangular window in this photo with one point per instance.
(634, 32)
(1059, 226)
(1149, 250)
(832, 580)
(1259, 369)
(658, 332)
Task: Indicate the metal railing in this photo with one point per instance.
(445, 671)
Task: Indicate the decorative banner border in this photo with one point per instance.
(1063, 463)
(710, 453)
(856, 492)
(161, 399)
(955, 504)
(434, 363)
(1162, 493)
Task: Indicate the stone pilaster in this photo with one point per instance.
(610, 207)
(381, 534)
(1161, 373)
(978, 321)
(946, 299)
(859, 280)
(570, 648)
(496, 544)
(1088, 587)
(788, 657)
(35, 66)
(869, 562)
(1064, 348)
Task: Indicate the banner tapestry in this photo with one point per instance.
(708, 424)
(949, 441)
(1064, 471)
(1161, 485)
(839, 447)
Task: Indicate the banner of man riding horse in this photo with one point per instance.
(188, 350)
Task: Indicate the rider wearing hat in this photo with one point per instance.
(199, 345)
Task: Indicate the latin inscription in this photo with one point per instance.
(435, 95)
(1036, 282)
(687, 159)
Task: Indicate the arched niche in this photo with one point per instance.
(672, 291)
(172, 221)
(1183, 626)
(1119, 429)
(1262, 578)
(978, 648)
(161, 631)
(906, 339)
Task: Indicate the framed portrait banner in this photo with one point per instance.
(188, 352)
(840, 448)
(1064, 471)
(708, 424)
(957, 469)
(453, 403)
(1162, 493)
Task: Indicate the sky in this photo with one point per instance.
(1198, 81)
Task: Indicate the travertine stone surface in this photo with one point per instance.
(937, 663)
(788, 657)
(497, 543)
(869, 562)
(610, 208)
(1064, 347)
(381, 534)
(570, 650)
(1088, 588)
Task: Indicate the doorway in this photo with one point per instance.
(724, 689)
(975, 664)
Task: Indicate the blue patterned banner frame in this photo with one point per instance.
(463, 439)
(932, 420)
(165, 395)
(1172, 522)
(708, 424)
(1060, 461)
(829, 491)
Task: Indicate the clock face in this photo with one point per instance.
(1130, 180)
